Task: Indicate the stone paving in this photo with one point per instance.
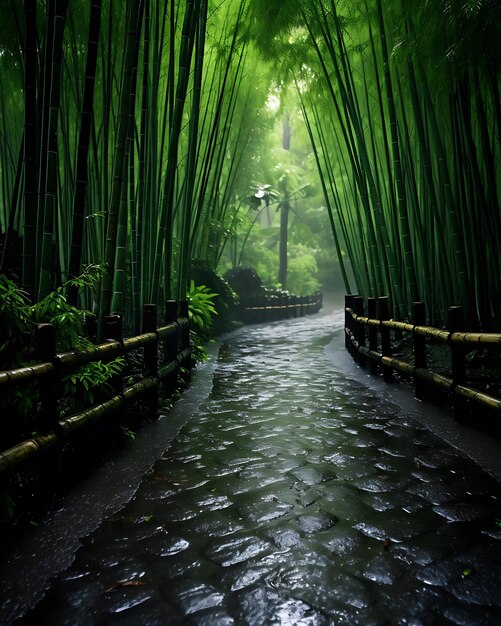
(293, 496)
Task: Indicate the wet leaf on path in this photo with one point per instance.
(125, 583)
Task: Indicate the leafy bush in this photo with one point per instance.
(201, 314)
(201, 308)
(302, 271)
(82, 385)
(225, 298)
(244, 281)
(18, 322)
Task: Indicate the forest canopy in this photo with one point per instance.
(135, 134)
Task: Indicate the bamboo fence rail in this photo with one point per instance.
(368, 340)
(174, 338)
(272, 307)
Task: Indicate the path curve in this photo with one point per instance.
(294, 494)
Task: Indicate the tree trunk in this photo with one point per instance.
(30, 147)
(80, 188)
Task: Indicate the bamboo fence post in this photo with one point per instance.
(151, 356)
(458, 363)
(419, 319)
(171, 345)
(384, 314)
(358, 302)
(372, 314)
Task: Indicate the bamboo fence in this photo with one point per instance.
(368, 340)
(272, 307)
(172, 337)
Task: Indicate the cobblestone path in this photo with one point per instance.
(294, 496)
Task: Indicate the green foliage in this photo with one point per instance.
(10, 506)
(198, 350)
(224, 302)
(18, 322)
(128, 435)
(81, 385)
(244, 280)
(201, 312)
(302, 272)
(18, 319)
(14, 321)
(201, 308)
(96, 373)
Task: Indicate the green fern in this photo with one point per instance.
(201, 307)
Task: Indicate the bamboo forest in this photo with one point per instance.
(226, 226)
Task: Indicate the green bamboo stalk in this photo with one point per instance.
(405, 235)
(30, 149)
(49, 188)
(119, 278)
(80, 185)
(326, 195)
(183, 275)
(125, 110)
(165, 230)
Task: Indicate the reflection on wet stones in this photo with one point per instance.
(284, 538)
(462, 512)
(264, 511)
(236, 550)
(177, 546)
(316, 523)
(466, 615)
(294, 501)
(193, 598)
(383, 571)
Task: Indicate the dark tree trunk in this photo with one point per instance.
(30, 147)
(83, 149)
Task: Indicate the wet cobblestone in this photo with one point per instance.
(293, 496)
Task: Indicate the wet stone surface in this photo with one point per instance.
(293, 496)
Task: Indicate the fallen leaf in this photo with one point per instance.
(125, 583)
(466, 572)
